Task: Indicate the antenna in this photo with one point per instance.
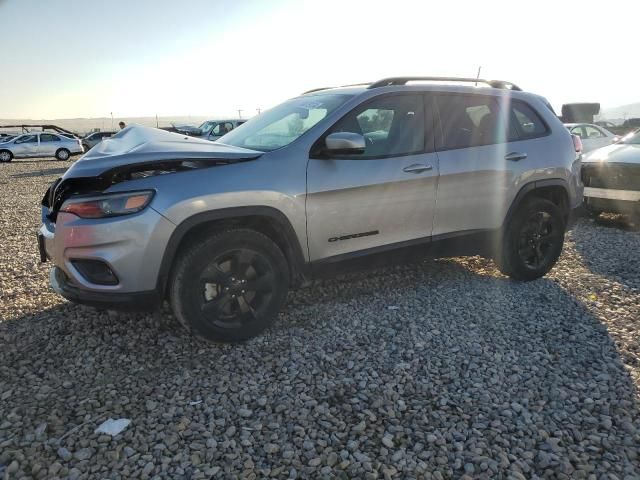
(478, 75)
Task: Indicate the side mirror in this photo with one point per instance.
(345, 143)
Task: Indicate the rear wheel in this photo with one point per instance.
(63, 154)
(5, 156)
(532, 241)
(231, 286)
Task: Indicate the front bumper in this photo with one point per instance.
(135, 301)
(612, 200)
(131, 246)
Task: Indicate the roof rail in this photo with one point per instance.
(386, 82)
(341, 86)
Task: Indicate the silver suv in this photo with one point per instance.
(222, 230)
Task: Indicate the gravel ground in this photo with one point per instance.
(442, 369)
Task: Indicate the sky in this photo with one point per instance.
(77, 58)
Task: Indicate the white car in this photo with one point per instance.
(592, 136)
(40, 144)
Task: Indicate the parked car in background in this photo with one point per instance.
(94, 138)
(592, 136)
(209, 130)
(214, 129)
(611, 177)
(6, 138)
(632, 123)
(40, 144)
(385, 168)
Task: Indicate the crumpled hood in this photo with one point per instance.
(615, 153)
(137, 144)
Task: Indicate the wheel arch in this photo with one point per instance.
(58, 150)
(266, 220)
(555, 190)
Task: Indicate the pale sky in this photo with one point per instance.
(75, 58)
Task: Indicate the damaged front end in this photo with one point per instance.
(65, 187)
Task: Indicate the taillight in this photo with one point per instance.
(577, 143)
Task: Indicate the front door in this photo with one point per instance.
(382, 197)
(26, 146)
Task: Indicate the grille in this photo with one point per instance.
(612, 176)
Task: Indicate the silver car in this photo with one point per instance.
(592, 136)
(214, 129)
(40, 145)
(94, 138)
(400, 168)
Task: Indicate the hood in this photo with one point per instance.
(614, 153)
(145, 145)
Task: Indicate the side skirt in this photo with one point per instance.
(458, 244)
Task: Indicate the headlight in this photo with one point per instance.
(111, 205)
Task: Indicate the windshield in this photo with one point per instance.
(283, 124)
(205, 127)
(632, 138)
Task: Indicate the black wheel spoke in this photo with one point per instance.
(215, 275)
(262, 284)
(245, 307)
(217, 305)
(241, 262)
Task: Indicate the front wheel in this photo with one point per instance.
(229, 287)
(5, 156)
(532, 241)
(63, 154)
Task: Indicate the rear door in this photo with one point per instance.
(382, 197)
(49, 144)
(484, 142)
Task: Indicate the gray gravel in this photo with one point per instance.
(443, 369)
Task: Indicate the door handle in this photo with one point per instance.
(515, 156)
(417, 168)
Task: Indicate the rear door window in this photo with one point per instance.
(469, 121)
(47, 137)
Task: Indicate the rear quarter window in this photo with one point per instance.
(527, 121)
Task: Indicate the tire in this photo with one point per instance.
(5, 156)
(532, 240)
(229, 287)
(63, 154)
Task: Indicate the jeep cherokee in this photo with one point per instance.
(222, 230)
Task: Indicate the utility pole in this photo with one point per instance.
(157, 121)
(478, 75)
(239, 113)
(112, 121)
(258, 110)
